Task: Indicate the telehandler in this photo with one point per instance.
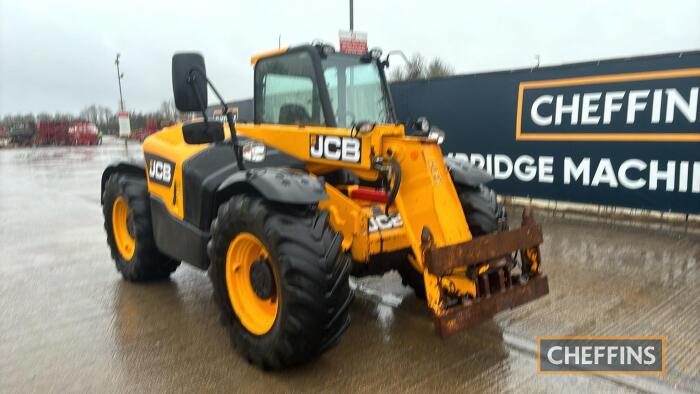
(323, 184)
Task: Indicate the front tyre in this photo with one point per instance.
(127, 212)
(280, 279)
(481, 208)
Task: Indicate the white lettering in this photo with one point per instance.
(534, 113)
(546, 164)
(625, 181)
(689, 108)
(331, 147)
(683, 177)
(498, 173)
(571, 109)
(529, 172)
(317, 148)
(351, 150)
(586, 355)
(656, 106)
(637, 355)
(655, 175)
(598, 354)
(569, 355)
(633, 106)
(611, 106)
(651, 358)
(582, 170)
(166, 173)
(604, 174)
(550, 355)
(612, 353)
(589, 107)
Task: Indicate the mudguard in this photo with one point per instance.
(279, 184)
(124, 167)
(465, 173)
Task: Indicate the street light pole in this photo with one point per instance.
(121, 97)
(351, 15)
(119, 79)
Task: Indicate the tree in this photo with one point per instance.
(168, 111)
(439, 69)
(416, 68)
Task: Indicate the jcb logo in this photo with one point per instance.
(332, 147)
(384, 222)
(159, 170)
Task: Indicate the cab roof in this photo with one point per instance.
(254, 59)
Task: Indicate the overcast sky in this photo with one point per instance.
(59, 55)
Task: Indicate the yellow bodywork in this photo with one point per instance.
(426, 198)
(170, 144)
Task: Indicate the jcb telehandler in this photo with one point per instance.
(323, 184)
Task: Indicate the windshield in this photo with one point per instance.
(355, 90)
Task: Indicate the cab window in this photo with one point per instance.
(287, 91)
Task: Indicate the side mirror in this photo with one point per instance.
(203, 133)
(189, 82)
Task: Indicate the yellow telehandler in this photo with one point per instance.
(323, 183)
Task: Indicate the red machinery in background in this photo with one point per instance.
(152, 126)
(51, 133)
(83, 133)
(65, 133)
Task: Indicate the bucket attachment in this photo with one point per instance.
(488, 261)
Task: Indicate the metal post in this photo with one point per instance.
(351, 15)
(121, 98)
(119, 79)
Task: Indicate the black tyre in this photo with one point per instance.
(280, 279)
(482, 212)
(481, 209)
(127, 214)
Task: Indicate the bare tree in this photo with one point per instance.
(439, 69)
(168, 111)
(417, 68)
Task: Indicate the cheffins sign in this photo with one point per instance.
(647, 106)
(619, 132)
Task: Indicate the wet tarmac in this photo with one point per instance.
(68, 323)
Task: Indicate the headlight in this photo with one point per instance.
(422, 124)
(437, 135)
(253, 151)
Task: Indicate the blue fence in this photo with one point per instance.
(620, 132)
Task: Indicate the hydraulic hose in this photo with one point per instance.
(396, 171)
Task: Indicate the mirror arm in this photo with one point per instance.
(190, 79)
(231, 126)
(394, 52)
(234, 138)
(229, 119)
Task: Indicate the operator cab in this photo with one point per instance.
(315, 86)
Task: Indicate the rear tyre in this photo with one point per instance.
(280, 279)
(127, 212)
(482, 212)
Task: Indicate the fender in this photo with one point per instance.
(124, 167)
(279, 184)
(465, 173)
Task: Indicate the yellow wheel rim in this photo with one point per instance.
(126, 244)
(256, 314)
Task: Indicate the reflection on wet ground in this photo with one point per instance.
(69, 323)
